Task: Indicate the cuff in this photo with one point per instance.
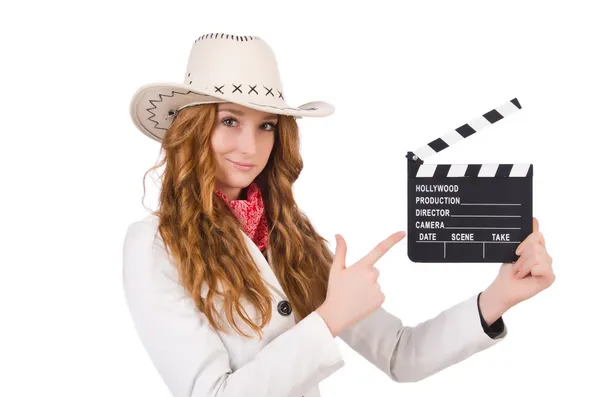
(322, 339)
(494, 331)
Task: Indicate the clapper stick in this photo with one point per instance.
(466, 130)
(467, 212)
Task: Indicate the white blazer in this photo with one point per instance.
(293, 357)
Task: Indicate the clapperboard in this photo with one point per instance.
(467, 212)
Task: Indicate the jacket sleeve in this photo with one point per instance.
(190, 356)
(412, 353)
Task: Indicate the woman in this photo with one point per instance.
(231, 289)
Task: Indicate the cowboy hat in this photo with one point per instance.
(221, 68)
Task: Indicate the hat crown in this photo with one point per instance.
(228, 64)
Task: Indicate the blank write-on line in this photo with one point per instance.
(491, 216)
(482, 227)
(489, 204)
(467, 242)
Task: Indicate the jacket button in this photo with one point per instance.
(284, 308)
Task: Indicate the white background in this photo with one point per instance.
(399, 74)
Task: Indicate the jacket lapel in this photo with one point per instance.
(263, 265)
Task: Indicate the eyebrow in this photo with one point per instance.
(241, 113)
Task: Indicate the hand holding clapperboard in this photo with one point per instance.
(464, 213)
(478, 213)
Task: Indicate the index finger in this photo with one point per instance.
(381, 249)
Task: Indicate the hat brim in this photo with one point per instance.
(150, 106)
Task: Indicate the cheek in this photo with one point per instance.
(220, 146)
(219, 141)
(267, 148)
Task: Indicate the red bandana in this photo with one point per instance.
(251, 214)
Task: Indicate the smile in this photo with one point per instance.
(241, 167)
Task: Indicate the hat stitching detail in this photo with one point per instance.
(152, 101)
(220, 36)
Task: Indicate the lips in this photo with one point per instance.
(242, 164)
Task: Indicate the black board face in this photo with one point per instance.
(481, 214)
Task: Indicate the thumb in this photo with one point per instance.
(339, 258)
(536, 224)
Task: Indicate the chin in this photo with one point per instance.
(240, 181)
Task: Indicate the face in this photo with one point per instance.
(241, 135)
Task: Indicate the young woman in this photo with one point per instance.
(230, 287)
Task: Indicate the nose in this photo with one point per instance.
(247, 140)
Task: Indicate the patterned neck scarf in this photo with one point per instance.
(251, 214)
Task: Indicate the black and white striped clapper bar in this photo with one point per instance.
(467, 212)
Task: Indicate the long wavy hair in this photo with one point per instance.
(203, 236)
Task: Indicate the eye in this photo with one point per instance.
(273, 126)
(226, 119)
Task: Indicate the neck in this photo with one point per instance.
(234, 193)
